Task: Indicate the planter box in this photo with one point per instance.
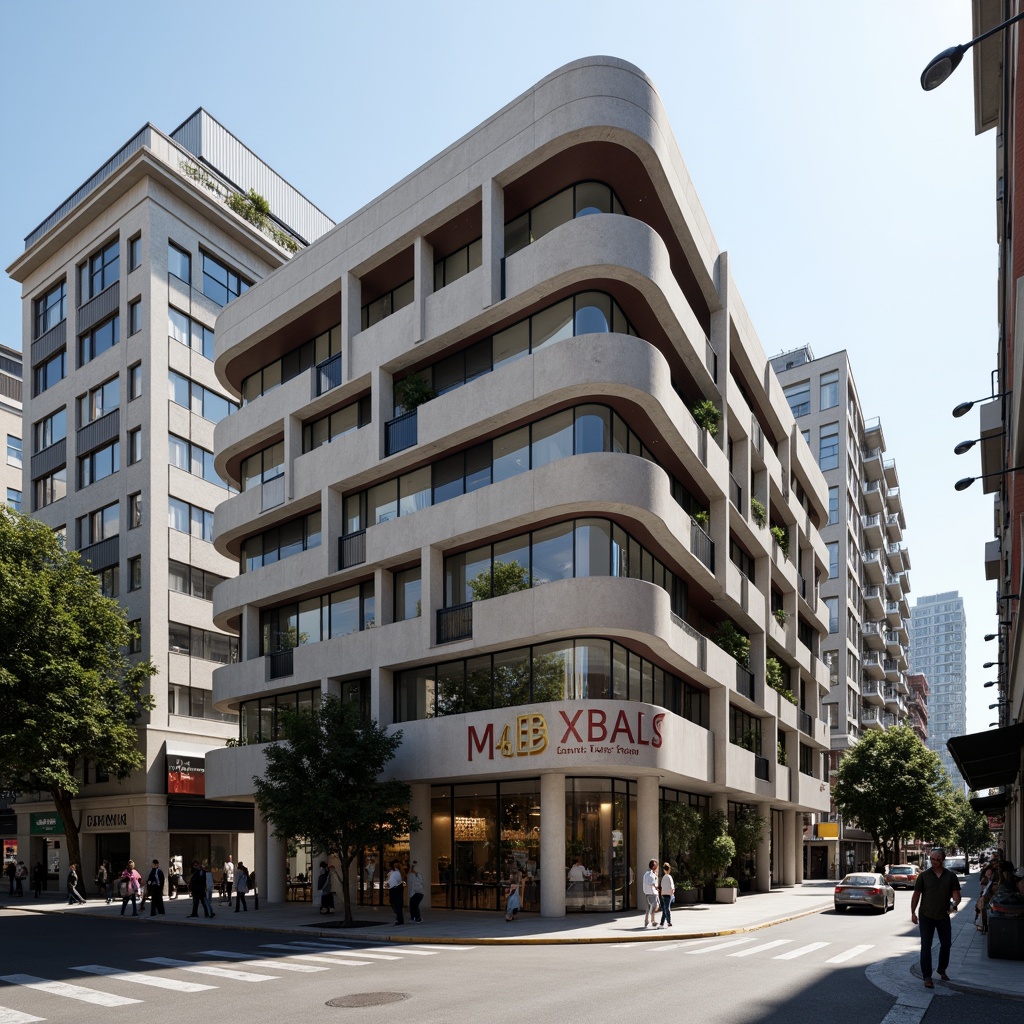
(725, 895)
(687, 896)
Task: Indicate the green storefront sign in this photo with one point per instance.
(46, 825)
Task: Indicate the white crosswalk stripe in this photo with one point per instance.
(802, 951)
(849, 954)
(774, 944)
(8, 1016)
(60, 988)
(444, 948)
(667, 947)
(279, 963)
(715, 949)
(320, 959)
(358, 954)
(216, 972)
(153, 980)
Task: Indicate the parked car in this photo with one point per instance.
(958, 865)
(902, 876)
(865, 889)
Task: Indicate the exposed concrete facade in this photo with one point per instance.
(552, 276)
(125, 259)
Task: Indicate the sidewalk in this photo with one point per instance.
(970, 968)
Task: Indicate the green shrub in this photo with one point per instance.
(758, 512)
(706, 415)
(732, 641)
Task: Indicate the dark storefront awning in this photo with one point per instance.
(989, 759)
(994, 803)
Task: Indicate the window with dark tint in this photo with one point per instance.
(99, 272)
(179, 263)
(134, 253)
(98, 340)
(51, 308)
(51, 429)
(49, 373)
(219, 283)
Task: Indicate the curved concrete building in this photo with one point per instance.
(475, 499)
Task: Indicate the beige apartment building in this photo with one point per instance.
(525, 566)
(867, 649)
(121, 285)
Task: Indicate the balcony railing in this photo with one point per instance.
(702, 546)
(281, 663)
(455, 623)
(400, 433)
(702, 446)
(702, 641)
(735, 492)
(756, 436)
(352, 549)
(761, 768)
(804, 722)
(744, 682)
(711, 359)
(328, 374)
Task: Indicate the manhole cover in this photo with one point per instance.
(369, 999)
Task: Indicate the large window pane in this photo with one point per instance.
(414, 491)
(510, 345)
(552, 439)
(512, 565)
(553, 554)
(593, 670)
(448, 477)
(551, 325)
(593, 547)
(345, 612)
(552, 671)
(593, 429)
(309, 621)
(549, 214)
(477, 568)
(512, 678)
(451, 686)
(593, 197)
(511, 454)
(593, 313)
(383, 501)
(478, 684)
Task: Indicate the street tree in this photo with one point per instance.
(970, 832)
(893, 787)
(326, 782)
(68, 692)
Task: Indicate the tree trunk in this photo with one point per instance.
(62, 801)
(347, 889)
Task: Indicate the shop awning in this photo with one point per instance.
(175, 748)
(991, 804)
(989, 759)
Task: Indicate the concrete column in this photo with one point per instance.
(419, 842)
(798, 847)
(648, 827)
(792, 838)
(762, 855)
(258, 861)
(493, 244)
(718, 720)
(720, 802)
(382, 405)
(552, 845)
(292, 451)
(351, 321)
(423, 284)
(431, 590)
(274, 873)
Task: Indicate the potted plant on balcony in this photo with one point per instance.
(781, 536)
(775, 678)
(732, 641)
(780, 754)
(706, 415)
(780, 616)
(758, 512)
(702, 518)
(412, 391)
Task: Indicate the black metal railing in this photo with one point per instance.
(702, 446)
(702, 546)
(804, 722)
(744, 682)
(328, 374)
(711, 359)
(735, 492)
(352, 549)
(400, 433)
(455, 623)
(761, 767)
(281, 663)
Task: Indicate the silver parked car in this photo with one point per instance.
(865, 889)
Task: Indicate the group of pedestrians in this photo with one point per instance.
(17, 876)
(659, 893)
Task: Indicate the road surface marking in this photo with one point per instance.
(443, 949)
(803, 950)
(849, 954)
(8, 1016)
(335, 951)
(216, 972)
(59, 988)
(320, 959)
(277, 963)
(153, 980)
(762, 947)
(715, 949)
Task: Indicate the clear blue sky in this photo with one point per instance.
(858, 211)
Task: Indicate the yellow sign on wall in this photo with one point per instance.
(828, 830)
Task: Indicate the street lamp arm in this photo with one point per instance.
(942, 65)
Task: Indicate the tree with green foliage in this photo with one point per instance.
(961, 826)
(732, 641)
(326, 782)
(68, 693)
(680, 825)
(893, 787)
(712, 848)
(747, 831)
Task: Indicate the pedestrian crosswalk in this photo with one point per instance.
(727, 946)
(218, 967)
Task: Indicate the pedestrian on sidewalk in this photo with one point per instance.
(651, 893)
(10, 871)
(155, 889)
(131, 885)
(227, 879)
(415, 882)
(395, 886)
(101, 880)
(74, 896)
(668, 895)
(197, 889)
(251, 882)
(39, 879)
(937, 890)
(208, 899)
(241, 887)
(20, 878)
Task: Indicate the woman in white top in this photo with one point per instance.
(414, 882)
(668, 893)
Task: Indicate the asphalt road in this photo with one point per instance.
(813, 969)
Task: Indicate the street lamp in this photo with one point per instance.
(965, 407)
(992, 682)
(992, 664)
(942, 65)
(965, 446)
(962, 485)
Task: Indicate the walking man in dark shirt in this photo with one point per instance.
(155, 889)
(938, 892)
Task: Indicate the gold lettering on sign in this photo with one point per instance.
(532, 734)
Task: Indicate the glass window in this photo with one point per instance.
(552, 551)
(829, 396)
(99, 340)
(408, 594)
(13, 451)
(134, 317)
(548, 215)
(552, 324)
(592, 429)
(51, 308)
(593, 313)
(799, 397)
(593, 547)
(51, 429)
(134, 253)
(344, 617)
(833, 559)
(51, 487)
(134, 445)
(103, 399)
(178, 577)
(552, 439)
(511, 344)
(178, 326)
(99, 464)
(179, 263)
(50, 372)
(219, 283)
(828, 446)
(414, 491)
(511, 678)
(135, 573)
(99, 272)
(833, 506)
(383, 501)
(134, 510)
(448, 477)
